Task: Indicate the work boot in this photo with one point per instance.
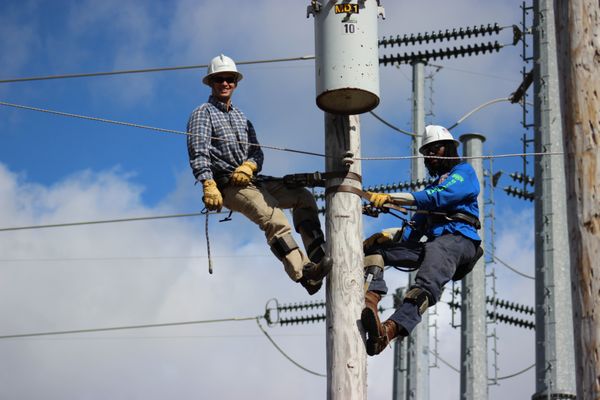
(313, 275)
(371, 306)
(370, 317)
(378, 344)
(378, 335)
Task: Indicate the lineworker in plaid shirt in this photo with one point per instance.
(225, 157)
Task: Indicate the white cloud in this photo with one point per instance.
(116, 275)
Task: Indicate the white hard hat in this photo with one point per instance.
(436, 133)
(221, 64)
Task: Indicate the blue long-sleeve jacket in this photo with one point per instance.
(456, 192)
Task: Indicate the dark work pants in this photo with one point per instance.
(436, 261)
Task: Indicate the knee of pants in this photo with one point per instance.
(305, 208)
(275, 225)
(305, 199)
(251, 202)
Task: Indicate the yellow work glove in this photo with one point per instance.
(378, 199)
(212, 197)
(378, 238)
(242, 174)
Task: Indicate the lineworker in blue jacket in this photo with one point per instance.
(448, 216)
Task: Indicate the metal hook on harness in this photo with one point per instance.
(227, 218)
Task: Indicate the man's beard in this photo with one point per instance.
(434, 170)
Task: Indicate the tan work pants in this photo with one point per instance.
(263, 204)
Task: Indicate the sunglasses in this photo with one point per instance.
(433, 148)
(221, 79)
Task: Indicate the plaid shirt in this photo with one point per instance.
(214, 158)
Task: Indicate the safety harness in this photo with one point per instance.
(319, 179)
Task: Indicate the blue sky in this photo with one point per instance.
(56, 169)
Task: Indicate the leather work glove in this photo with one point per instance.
(242, 174)
(212, 197)
(378, 199)
(377, 238)
(384, 237)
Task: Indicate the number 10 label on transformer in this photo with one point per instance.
(348, 28)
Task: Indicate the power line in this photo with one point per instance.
(511, 268)
(138, 71)
(467, 115)
(393, 158)
(177, 337)
(437, 355)
(120, 328)
(163, 130)
(106, 221)
(116, 258)
(133, 125)
(283, 353)
(515, 374)
(237, 319)
(392, 126)
(489, 379)
(474, 73)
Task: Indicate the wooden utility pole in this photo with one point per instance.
(578, 48)
(347, 83)
(346, 357)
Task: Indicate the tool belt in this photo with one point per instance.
(440, 218)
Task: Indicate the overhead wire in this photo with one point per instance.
(121, 328)
(515, 374)
(145, 70)
(117, 258)
(475, 73)
(435, 354)
(106, 221)
(160, 325)
(164, 130)
(395, 158)
(284, 354)
(153, 128)
(467, 115)
(392, 126)
(509, 267)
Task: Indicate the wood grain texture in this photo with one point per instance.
(346, 357)
(578, 46)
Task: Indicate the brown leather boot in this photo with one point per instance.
(390, 332)
(370, 319)
(370, 314)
